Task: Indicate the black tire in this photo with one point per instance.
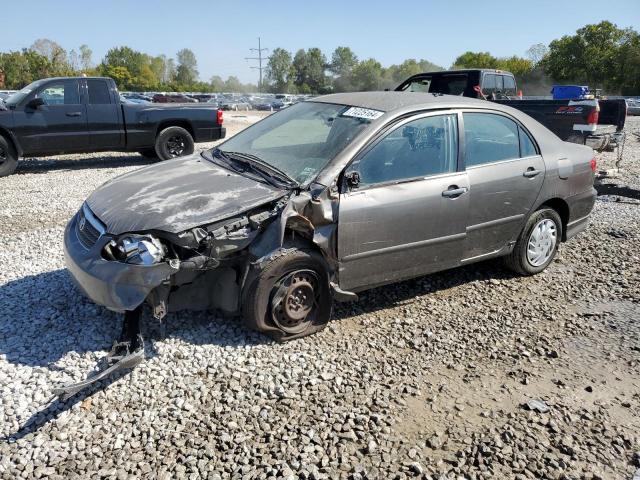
(148, 153)
(519, 260)
(295, 276)
(8, 157)
(173, 142)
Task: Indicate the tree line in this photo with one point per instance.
(600, 55)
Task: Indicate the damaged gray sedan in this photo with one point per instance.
(327, 198)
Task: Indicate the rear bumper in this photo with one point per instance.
(210, 134)
(115, 285)
(580, 206)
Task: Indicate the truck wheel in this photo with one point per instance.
(8, 158)
(537, 244)
(148, 153)
(288, 295)
(174, 142)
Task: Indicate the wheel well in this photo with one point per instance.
(4, 134)
(560, 206)
(175, 123)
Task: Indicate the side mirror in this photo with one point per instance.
(35, 103)
(353, 179)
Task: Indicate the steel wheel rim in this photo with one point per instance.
(294, 301)
(542, 242)
(176, 145)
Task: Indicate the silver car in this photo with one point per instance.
(327, 198)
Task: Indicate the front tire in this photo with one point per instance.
(288, 295)
(173, 142)
(8, 158)
(537, 244)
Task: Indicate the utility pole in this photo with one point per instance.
(259, 58)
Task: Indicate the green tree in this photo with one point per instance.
(279, 71)
(53, 52)
(22, 68)
(343, 61)
(217, 83)
(187, 70)
(519, 66)
(233, 84)
(592, 56)
(475, 60)
(367, 75)
(120, 75)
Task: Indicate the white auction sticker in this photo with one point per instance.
(367, 113)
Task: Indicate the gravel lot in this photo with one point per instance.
(427, 378)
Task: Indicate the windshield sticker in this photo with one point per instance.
(367, 113)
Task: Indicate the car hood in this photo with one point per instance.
(176, 195)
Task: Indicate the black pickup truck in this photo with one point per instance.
(79, 114)
(594, 122)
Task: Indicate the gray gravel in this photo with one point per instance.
(430, 378)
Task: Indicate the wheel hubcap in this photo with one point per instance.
(176, 145)
(542, 242)
(294, 301)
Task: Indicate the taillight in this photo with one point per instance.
(594, 165)
(593, 117)
(220, 117)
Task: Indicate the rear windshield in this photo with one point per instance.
(449, 84)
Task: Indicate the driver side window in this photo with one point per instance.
(60, 93)
(421, 148)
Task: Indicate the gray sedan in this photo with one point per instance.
(327, 198)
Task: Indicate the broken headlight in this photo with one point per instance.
(136, 249)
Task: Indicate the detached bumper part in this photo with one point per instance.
(125, 354)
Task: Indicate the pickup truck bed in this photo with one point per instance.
(76, 114)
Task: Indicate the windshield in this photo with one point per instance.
(17, 97)
(302, 139)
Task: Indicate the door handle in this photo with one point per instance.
(453, 191)
(74, 114)
(532, 172)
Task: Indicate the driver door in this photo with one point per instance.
(407, 215)
(57, 126)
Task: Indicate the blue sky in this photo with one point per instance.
(221, 33)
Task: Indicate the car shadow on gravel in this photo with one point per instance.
(392, 295)
(616, 190)
(46, 165)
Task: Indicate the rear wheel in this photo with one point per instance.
(174, 142)
(537, 244)
(8, 158)
(288, 296)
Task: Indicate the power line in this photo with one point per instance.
(259, 58)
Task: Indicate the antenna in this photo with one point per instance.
(259, 58)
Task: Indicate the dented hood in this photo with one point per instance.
(176, 195)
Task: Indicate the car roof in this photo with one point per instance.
(391, 102)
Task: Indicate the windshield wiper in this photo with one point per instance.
(260, 166)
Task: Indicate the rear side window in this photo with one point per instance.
(64, 92)
(426, 146)
(527, 147)
(98, 92)
(490, 138)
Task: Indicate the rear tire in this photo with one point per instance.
(537, 244)
(288, 296)
(173, 142)
(8, 158)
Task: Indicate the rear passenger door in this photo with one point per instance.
(103, 115)
(505, 173)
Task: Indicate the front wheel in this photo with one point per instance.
(8, 158)
(174, 142)
(537, 244)
(288, 296)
